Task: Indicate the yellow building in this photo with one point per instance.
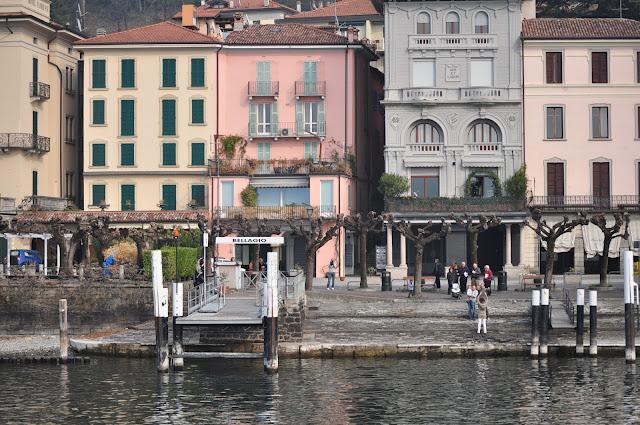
(149, 118)
(39, 122)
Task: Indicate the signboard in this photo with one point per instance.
(177, 295)
(452, 72)
(205, 239)
(381, 257)
(250, 240)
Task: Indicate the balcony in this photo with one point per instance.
(585, 202)
(310, 88)
(277, 212)
(425, 148)
(450, 42)
(423, 95)
(279, 167)
(483, 94)
(445, 206)
(286, 129)
(25, 141)
(44, 203)
(7, 206)
(483, 148)
(39, 90)
(263, 89)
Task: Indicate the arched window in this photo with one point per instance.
(484, 131)
(452, 23)
(423, 23)
(426, 132)
(481, 24)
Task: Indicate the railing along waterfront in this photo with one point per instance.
(251, 167)
(26, 141)
(205, 293)
(568, 305)
(585, 202)
(456, 205)
(277, 212)
(263, 88)
(40, 90)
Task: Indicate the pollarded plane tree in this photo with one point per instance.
(474, 226)
(610, 233)
(363, 225)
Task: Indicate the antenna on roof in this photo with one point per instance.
(620, 8)
(81, 12)
(335, 13)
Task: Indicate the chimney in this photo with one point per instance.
(188, 15)
(352, 34)
(230, 4)
(299, 6)
(528, 9)
(265, 3)
(238, 21)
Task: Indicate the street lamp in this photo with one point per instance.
(176, 235)
(103, 205)
(162, 205)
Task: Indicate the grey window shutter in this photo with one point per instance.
(299, 118)
(253, 118)
(321, 119)
(274, 118)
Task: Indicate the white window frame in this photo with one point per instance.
(311, 117)
(263, 118)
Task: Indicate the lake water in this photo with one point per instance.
(491, 391)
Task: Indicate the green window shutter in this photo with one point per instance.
(34, 123)
(263, 72)
(127, 154)
(34, 64)
(128, 197)
(299, 118)
(169, 197)
(311, 150)
(197, 72)
(321, 119)
(34, 183)
(274, 118)
(98, 77)
(128, 70)
(310, 77)
(98, 155)
(264, 151)
(168, 117)
(127, 117)
(197, 154)
(197, 111)
(98, 112)
(169, 154)
(253, 118)
(198, 194)
(168, 72)
(99, 194)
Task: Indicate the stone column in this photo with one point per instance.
(507, 251)
(46, 255)
(8, 273)
(403, 251)
(578, 251)
(389, 245)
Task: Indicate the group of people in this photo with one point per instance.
(477, 292)
(477, 302)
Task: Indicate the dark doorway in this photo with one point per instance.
(563, 263)
(491, 248)
(431, 251)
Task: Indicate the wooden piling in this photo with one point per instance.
(64, 330)
(535, 319)
(270, 319)
(580, 322)
(593, 322)
(544, 321)
(177, 350)
(121, 272)
(629, 298)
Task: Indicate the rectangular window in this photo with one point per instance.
(326, 197)
(127, 155)
(227, 194)
(98, 155)
(127, 197)
(168, 197)
(425, 186)
(637, 122)
(34, 123)
(481, 73)
(168, 73)
(128, 73)
(169, 154)
(98, 74)
(97, 117)
(638, 67)
(310, 78)
(69, 185)
(98, 194)
(600, 122)
(555, 122)
(601, 181)
(198, 195)
(197, 111)
(34, 70)
(263, 80)
(127, 117)
(34, 183)
(555, 182)
(197, 72)
(554, 67)
(311, 150)
(311, 117)
(68, 129)
(264, 118)
(599, 67)
(424, 73)
(264, 156)
(197, 154)
(168, 117)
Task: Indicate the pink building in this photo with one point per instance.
(582, 118)
(302, 101)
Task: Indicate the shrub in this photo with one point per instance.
(393, 185)
(472, 180)
(190, 238)
(249, 196)
(187, 261)
(516, 185)
(230, 144)
(123, 251)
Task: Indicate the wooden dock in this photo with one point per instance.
(237, 310)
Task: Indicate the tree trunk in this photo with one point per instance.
(604, 261)
(363, 259)
(308, 279)
(473, 247)
(417, 278)
(86, 257)
(139, 252)
(548, 272)
(67, 257)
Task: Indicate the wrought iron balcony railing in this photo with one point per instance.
(287, 129)
(263, 88)
(456, 205)
(585, 202)
(26, 141)
(39, 90)
(453, 41)
(277, 212)
(311, 88)
(279, 167)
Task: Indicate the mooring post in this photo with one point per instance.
(161, 312)
(121, 272)
(81, 272)
(177, 350)
(64, 330)
(629, 326)
(580, 322)
(535, 319)
(271, 316)
(593, 322)
(544, 321)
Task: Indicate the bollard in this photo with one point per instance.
(593, 322)
(80, 272)
(544, 321)
(64, 330)
(271, 315)
(629, 331)
(177, 350)
(121, 272)
(580, 322)
(161, 313)
(535, 319)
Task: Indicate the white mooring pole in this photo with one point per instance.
(161, 312)
(64, 330)
(271, 315)
(580, 322)
(593, 322)
(535, 319)
(629, 328)
(544, 321)
(177, 348)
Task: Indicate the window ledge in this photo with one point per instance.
(127, 166)
(608, 139)
(197, 88)
(127, 137)
(554, 140)
(168, 88)
(198, 124)
(99, 167)
(99, 88)
(169, 166)
(196, 166)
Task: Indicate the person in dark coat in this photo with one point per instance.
(463, 275)
(438, 271)
(452, 277)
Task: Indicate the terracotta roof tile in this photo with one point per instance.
(160, 33)
(284, 34)
(115, 216)
(340, 8)
(206, 11)
(580, 28)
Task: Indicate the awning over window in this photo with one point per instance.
(564, 243)
(594, 241)
(280, 182)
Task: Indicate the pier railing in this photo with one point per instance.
(205, 293)
(568, 305)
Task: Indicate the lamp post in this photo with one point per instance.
(103, 205)
(176, 235)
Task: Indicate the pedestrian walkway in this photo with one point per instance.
(559, 317)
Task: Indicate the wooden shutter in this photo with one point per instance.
(263, 73)
(128, 197)
(34, 183)
(599, 67)
(299, 118)
(99, 194)
(98, 73)
(310, 78)
(168, 154)
(274, 119)
(168, 117)
(34, 75)
(197, 194)
(169, 197)
(98, 112)
(197, 72)
(253, 119)
(127, 117)
(555, 179)
(601, 179)
(34, 124)
(197, 154)
(168, 72)
(321, 119)
(197, 111)
(98, 155)
(128, 78)
(554, 67)
(127, 154)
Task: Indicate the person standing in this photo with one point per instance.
(452, 277)
(472, 294)
(476, 273)
(331, 275)
(487, 278)
(483, 310)
(438, 272)
(463, 275)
